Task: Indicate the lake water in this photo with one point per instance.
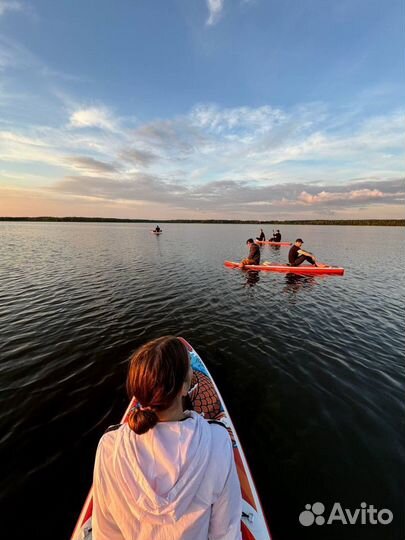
(311, 368)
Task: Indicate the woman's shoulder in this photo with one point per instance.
(219, 433)
(110, 435)
(221, 439)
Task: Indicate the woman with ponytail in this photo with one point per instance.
(167, 474)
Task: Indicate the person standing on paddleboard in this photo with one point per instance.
(254, 254)
(262, 236)
(297, 256)
(167, 473)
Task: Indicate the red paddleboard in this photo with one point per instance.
(270, 243)
(206, 400)
(285, 268)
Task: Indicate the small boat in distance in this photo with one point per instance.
(270, 243)
(157, 230)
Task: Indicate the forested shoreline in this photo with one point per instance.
(360, 222)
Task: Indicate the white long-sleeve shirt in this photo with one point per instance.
(177, 481)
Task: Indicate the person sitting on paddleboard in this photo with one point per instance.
(254, 254)
(167, 473)
(276, 236)
(157, 229)
(262, 236)
(297, 256)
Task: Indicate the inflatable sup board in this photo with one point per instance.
(207, 401)
(270, 243)
(287, 269)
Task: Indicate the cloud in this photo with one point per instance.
(89, 164)
(12, 137)
(93, 117)
(230, 196)
(140, 187)
(138, 157)
(282, 196)
(215, 8)
(358, 195)
(229, 160)
(13, 54)
(18, 148)
(10, 5)
(236, 120)
(15, 57)
(178, 138)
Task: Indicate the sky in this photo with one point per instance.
(202, 109)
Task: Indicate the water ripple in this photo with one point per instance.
(311, 367)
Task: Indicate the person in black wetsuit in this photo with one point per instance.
(297, 256)
(254, 254)
(262, 236)
(276, 236)
(157, 228)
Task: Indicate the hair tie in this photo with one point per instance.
(138, 407)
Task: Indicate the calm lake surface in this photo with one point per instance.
(311, 368)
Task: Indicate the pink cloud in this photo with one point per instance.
(355, 195)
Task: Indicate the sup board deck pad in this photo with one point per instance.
(205, 399)
(287, 269)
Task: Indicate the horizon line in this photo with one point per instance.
(385, 222)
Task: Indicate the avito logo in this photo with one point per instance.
(365, 515)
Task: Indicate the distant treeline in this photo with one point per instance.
(369, 222)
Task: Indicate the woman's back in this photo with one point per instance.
(176, 481)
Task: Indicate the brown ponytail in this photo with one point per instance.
(142, 420)
(156, 373)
